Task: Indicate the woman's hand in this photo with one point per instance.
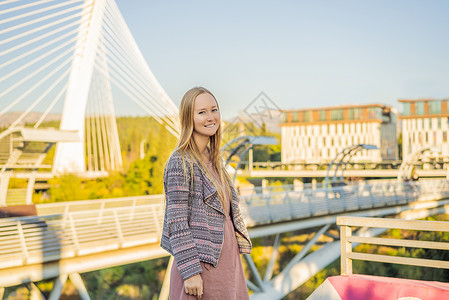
(194, 286)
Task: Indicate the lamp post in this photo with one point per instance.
(339, 160)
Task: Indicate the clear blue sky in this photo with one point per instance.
(300, 53)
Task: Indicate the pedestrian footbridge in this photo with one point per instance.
(66, 239)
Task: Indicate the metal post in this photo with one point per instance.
(274, 254)
(30, 188)
(250, 158)
(22, 240)
(77, 281)
(58, 284)
(4, 182)
(252, 267)
(306, 248)
(35, 293)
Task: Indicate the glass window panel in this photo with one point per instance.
(406, 109)
(358, 114)
(351, 114)
(307, 116)
(322, 115)
(295, 116)
(337, 114)
(374, 113)
(419, 108)
(435, 107)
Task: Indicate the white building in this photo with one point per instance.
(318, 135)
(424, 125)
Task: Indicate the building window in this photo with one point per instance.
(307, 116)
(435, 107)
(295, 116)
(406, 109)
(374, 113)
(422, 124)
(444, 137)
(337, 114)
(322, 115)
(351, 114)
(355, 113)
(284, 119)
(427, 137)
(419, 108)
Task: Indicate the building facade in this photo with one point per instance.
(318, 135)
(424, 125)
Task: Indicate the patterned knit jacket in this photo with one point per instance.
(194, 220)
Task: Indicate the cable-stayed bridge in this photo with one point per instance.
(77, 58)
(66, 239)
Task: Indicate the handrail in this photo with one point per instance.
(83, 205)
(37, 239)
(288, 205)
(347, 255)
(52, 237)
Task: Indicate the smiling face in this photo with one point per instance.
(206, 116)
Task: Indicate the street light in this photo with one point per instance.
(348, 153)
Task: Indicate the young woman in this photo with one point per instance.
(203, 228)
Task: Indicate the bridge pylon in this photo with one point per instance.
(70, 157)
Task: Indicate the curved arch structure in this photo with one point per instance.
(407, 166)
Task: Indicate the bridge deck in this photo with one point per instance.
(114, 225)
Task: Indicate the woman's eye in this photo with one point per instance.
(201, 112)
(215, 109)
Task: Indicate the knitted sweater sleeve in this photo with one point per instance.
(176, 184)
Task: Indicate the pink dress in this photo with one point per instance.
(227, 280)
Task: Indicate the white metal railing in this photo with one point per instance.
(99, 204)
(83, 227)
(39, 239)
(290, 205)
(347, 254)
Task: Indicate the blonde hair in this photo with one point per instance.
(187, 147)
